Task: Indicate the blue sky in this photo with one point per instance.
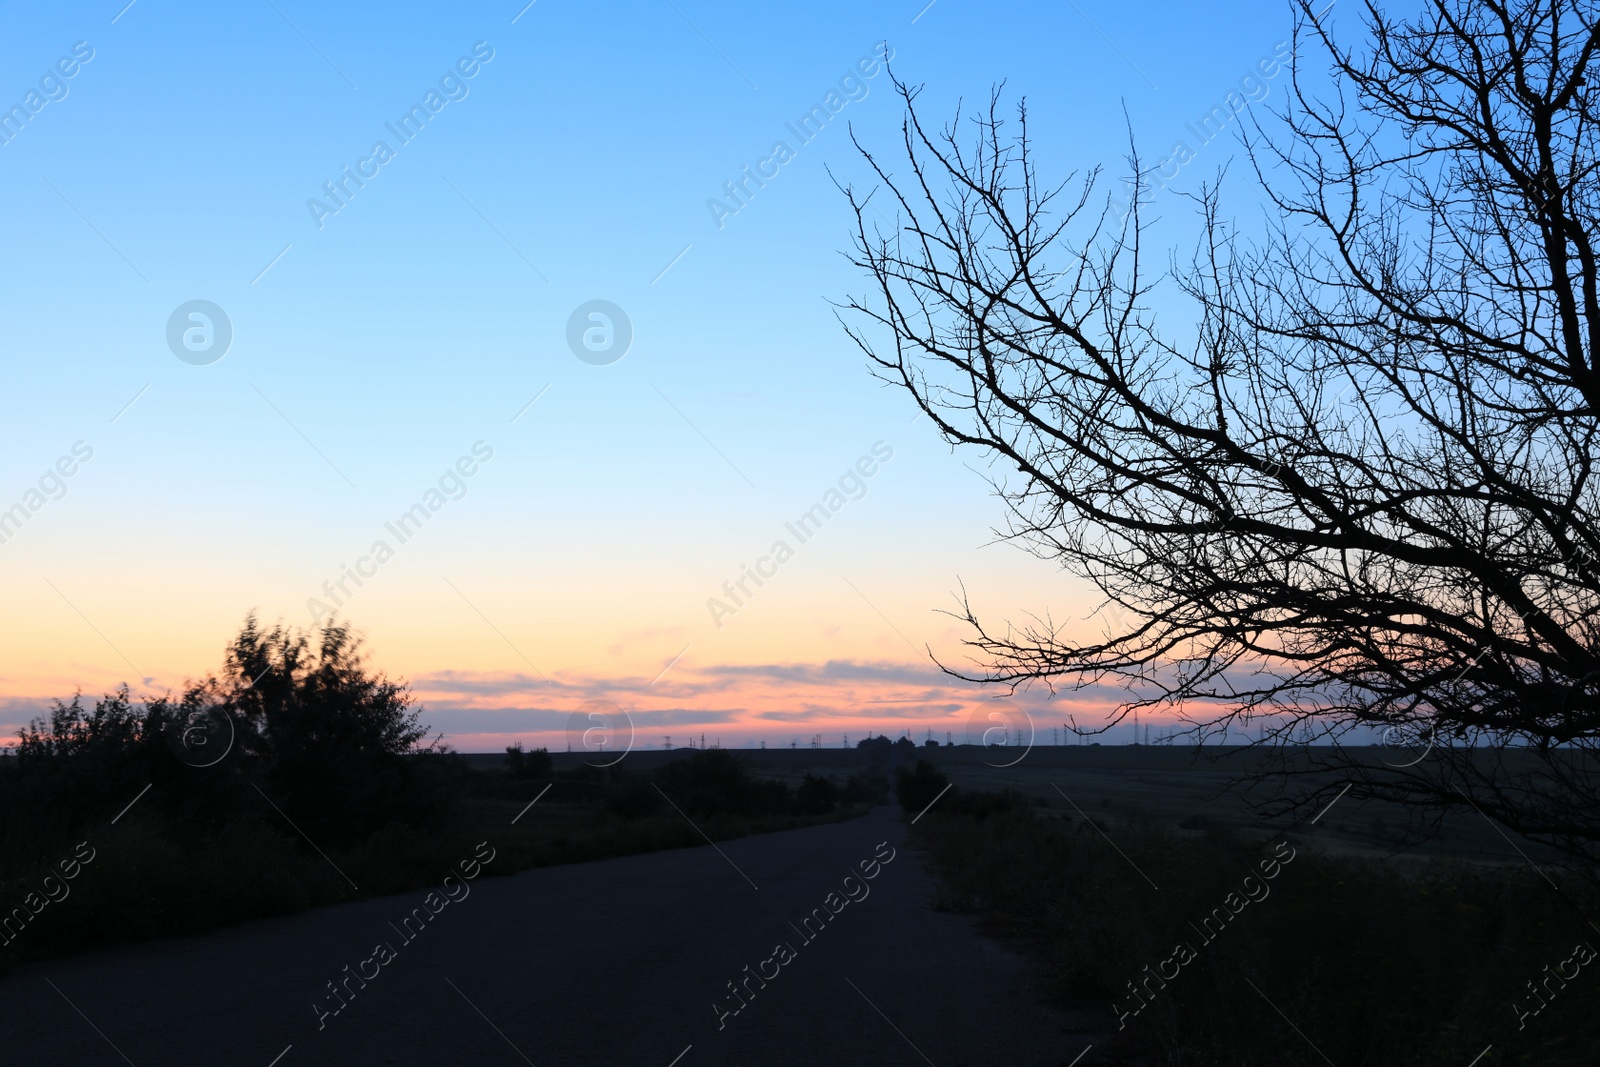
(370, 353)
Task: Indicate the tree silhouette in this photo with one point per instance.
(298, 716)
(1352, 493)
(535, 764)
(330, 735)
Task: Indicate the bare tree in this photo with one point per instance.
(1353, 490)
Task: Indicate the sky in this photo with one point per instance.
(252, 378)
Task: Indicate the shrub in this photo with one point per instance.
(919, 786)
(328, 740)
(634, 800)
(330, 735)
(866, 788)
(715, 782)
(1428, 955)
(981, 804)
(78, 761)
(535, 764)
(816, 796)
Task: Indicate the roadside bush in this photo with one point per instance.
(634, 800)
(715, 782)
(816, 796)
(918, 786)
(981, 803)
(329, 735)
(1429, 955)
(333, 744)
(868, 788)
(78, 762)
(535, 764)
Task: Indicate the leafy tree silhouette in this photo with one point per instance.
(329, 735)
(535, 764)
(329, 741)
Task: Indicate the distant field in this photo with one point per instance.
(1163, 784)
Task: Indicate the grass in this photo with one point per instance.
(1346, 959)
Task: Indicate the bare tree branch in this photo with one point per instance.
(1355, 489)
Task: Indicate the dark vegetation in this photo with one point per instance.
(919, 786)
(300, 777)
(1419, 962)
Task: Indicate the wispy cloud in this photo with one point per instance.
(742, 702)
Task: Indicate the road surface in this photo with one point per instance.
(623, 961)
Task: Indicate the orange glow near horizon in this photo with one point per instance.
(737, 706)
(808, 658)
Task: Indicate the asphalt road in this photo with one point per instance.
(623, 961)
